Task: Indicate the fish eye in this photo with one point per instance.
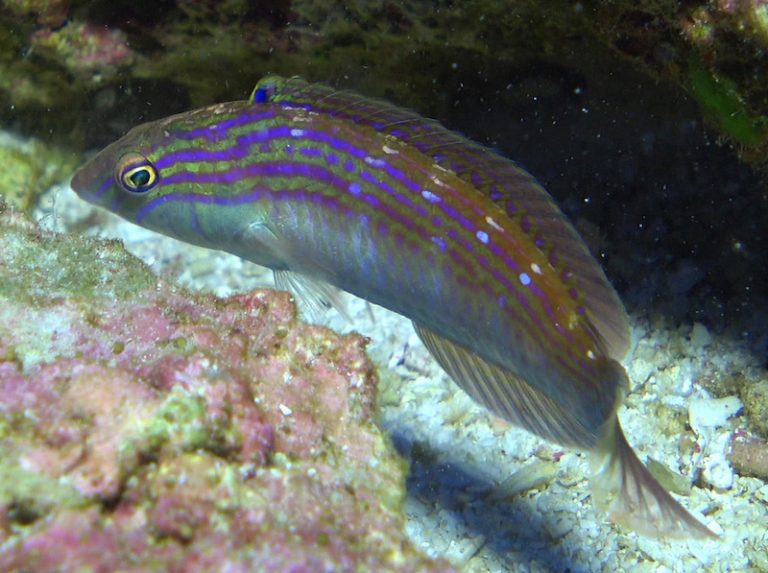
(135, 174)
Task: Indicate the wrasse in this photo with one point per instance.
(343, 190)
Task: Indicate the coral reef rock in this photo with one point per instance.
(181, 432)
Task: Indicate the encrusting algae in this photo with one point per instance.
(328, 187)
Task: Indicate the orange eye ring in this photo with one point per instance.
(135, 174)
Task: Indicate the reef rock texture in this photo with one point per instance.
(144, 428)
(715, 49)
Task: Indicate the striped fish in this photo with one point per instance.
(356, 193)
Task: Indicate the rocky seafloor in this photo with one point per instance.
(146, 428)
(480, 494)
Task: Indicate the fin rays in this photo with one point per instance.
(622, 486)
(625, 489)
(507, 395)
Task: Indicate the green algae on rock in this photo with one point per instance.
(182, 455)
(29, 168)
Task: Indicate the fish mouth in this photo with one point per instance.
(78, 182)
(82, 185)
(86, 184)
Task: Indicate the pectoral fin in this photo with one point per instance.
(315, 296)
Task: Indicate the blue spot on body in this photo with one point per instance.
(355, 188)
(440, 242)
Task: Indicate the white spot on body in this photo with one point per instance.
(437, 181)
(525, 279)
(590, 355)
(389, 150)
(536, 268)
(482, 236)
(375, 162)
(286, 411)
(431, 197)
(493, 224)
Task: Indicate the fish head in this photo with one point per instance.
(147, 176)
(124, 176)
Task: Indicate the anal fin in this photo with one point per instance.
(506, 394)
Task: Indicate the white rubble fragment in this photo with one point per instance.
(675, 403)
(715, 468)
(706, 413)
(762, 494)
(717, 472)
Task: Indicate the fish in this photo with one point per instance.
(331, 189)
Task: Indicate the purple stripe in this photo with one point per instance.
(108, 182)
(458, 217)
(503, 255)
(311, 152)
(201, 198)
(407, 201)
(291, 169)
(242, 149)
(545, 304)
(220, 131)
(245, 141)
(267, 170)
(278, 169)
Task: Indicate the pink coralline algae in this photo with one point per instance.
(86, 50)
(143, 428)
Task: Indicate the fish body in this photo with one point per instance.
(394, 208)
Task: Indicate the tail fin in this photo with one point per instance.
(624, 488)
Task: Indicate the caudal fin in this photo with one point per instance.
(624, 488)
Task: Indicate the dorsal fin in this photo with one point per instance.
(508, 185)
